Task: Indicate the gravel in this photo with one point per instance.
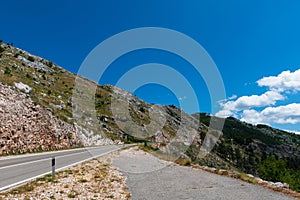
(151, 178)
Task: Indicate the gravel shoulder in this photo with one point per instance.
(151, 178)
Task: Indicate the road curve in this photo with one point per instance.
(15, 170)
(154, 179)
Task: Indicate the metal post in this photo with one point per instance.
(53, 167)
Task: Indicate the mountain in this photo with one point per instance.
(245, 145)
(41, 109)
(260, 150)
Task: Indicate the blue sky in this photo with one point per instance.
(248, 40)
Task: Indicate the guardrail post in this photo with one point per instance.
(53, 167)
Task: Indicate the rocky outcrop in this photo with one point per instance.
(88, 137)
(34, 62)
(25, 88)
(27, 127)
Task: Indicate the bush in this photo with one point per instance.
(7, 71)
(1, 49)
(272, 169)
(142, 109)
(28, 76)
(30, 58)
(184, 161)
(50, 64)
(277, 170)
(71, 196)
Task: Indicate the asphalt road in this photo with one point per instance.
(154, 179)
(15, 170)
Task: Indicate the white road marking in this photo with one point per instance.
(59, 169)
(44, 153)
(40, 160)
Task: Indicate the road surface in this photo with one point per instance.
(154, 179)
(15, 170)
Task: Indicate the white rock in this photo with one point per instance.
(259, 180)
(23, 87)
(285, 185)
(213, 169)
(59, 107)
(36, 64)
(2, 102)
(271, 183)
(278, 184)
(250, 175)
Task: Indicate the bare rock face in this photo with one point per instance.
(27, 127)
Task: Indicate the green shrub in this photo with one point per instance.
(30, 58)
(28, 76)
(50, 64)
(142, 109)
(273, 169)
(1, 49)
(245, 177)
(71, 196)
(184, 161)
(7, 71)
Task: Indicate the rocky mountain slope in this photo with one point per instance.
(28, 127)
(245, 145)
(35, 106)
(260, 150)
(38, 96)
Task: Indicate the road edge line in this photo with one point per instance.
(59, 169)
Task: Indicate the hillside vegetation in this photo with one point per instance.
(260, 150)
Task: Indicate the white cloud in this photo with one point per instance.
(246, 102)
(278, 87)
(296, 132)
(226, 113)
(287, 114)
(285, 81)
(253, 117)
(222, 101)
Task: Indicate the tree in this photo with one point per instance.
(272, 169)
(277, 170)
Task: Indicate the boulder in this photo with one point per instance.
(23, 87)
